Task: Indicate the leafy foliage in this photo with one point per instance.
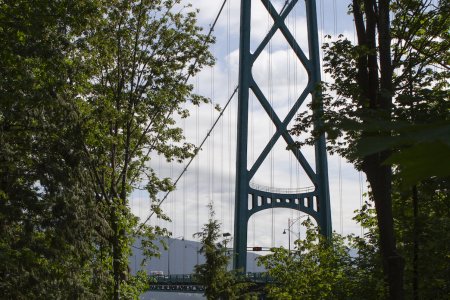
(88, 91)
(213, 274)
(419, 116)
(388, 104)
(140, 56)
(351, 267)
(424, 238)
(48, 215)
(320, 268)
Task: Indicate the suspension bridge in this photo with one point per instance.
(268, 67)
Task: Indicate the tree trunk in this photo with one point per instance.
(114, 216)
(379, 177)
(116, 257)
(375, 81)
(415, 283)
(395, 263)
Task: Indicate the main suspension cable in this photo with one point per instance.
(188, 75)
(192, 158)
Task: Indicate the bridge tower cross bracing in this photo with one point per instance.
(264, 199)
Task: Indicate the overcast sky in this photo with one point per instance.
(282, 78)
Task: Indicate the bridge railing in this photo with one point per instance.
(186, 283)
(259, 277)
(190, 278)
(181, 278)
(269, 189)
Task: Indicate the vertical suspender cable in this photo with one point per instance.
(322, 29)
(288, 72)
(222, 158)
(184, 211)
(252, 150)
(341, 210)
(184, 224)
(212, 144)
(269, 92)
(335, 20)
(173, 216)
(296, 92)
(296, 89)
(197, 169)
(230, 198)
(211, 139)
(222, 151)
(159, 222)
(184, 195)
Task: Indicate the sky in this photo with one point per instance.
(281, 77)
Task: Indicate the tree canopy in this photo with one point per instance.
(91, 89)
(219, 282)
(387, 107)
(88, 92)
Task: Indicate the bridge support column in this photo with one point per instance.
(242, 181)
(320, 147)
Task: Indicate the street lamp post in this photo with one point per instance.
(290, 224)
(289, 235)
(228, 238)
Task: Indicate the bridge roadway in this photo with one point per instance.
(186, 283)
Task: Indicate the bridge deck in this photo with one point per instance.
(187, 283)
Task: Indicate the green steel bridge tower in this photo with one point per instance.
(263, 199)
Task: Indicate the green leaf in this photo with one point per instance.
(422, 161)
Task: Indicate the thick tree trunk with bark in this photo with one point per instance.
(375, 81)
(379, 177)
(395, 263)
